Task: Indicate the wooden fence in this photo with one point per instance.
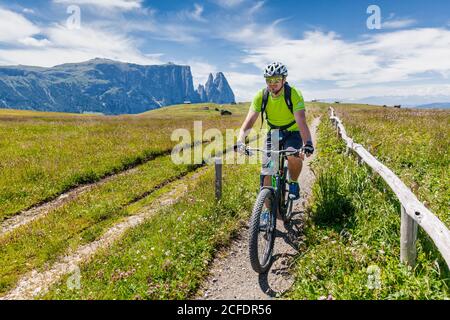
(413, 212)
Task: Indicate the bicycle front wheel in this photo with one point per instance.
(286, 204)
(262, 231)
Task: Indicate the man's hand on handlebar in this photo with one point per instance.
(308, 148)
(242, 148)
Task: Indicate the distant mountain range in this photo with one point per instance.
(437, 105)
(404, 101)
(106, 86)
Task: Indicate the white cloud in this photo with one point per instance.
(398, 23)
(54, 56)
(58, 44)
(389, 60)
(87, 38)
(112, 4)
(28, 10)
(244, 85)
(252, 34)
(175, 33)
(33, 42)
(14, 26)
(407, 53)
(318, 56)
(256, 7)
(380, 91)
(200, 71)
(195, 15)
(387, 57)
(229, 3)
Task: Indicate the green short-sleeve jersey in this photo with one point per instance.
(278, 112)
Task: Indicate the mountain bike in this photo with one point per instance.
(271, 201)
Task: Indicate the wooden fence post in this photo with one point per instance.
(218, 184)
(408, 237)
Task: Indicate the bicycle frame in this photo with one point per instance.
(278, 178)
(262, 223)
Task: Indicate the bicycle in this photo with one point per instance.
(271, 200)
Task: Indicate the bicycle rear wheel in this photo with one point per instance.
(262, 231)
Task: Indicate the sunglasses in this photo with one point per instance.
(276, 80)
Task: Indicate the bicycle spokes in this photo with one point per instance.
(261, 233)
(264, 220)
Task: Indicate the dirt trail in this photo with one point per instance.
(42, 209)
(36, 283)
(231, 275)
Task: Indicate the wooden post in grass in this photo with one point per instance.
(347, 150)
(408, 237)
(218, 184)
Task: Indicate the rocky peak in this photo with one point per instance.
(202, 93)
(216, 90)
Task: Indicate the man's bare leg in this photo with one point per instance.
(295, 167)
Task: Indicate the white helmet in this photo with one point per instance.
(275, 69)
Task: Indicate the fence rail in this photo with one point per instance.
(413, 212)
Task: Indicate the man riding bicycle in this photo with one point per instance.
(285, 113)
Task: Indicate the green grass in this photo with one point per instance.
(85, 218)
(196, 110)
(412, 143)
(167, 256)
(80, 220)
(45, 154)
(353, 230)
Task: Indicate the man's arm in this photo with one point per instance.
(300, 118)
(249, 121)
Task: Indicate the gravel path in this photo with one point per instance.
(231, 276)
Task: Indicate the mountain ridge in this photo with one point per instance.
(103, 85)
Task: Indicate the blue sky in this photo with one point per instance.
(326, 44)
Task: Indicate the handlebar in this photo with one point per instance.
(290, 150)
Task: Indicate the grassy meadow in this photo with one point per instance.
(45, 154)
(167, 257)
(81, 220)
(351, 242)
(413, 143)
(85, 218)
(352, 235)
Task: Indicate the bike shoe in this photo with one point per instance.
(294, 191)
